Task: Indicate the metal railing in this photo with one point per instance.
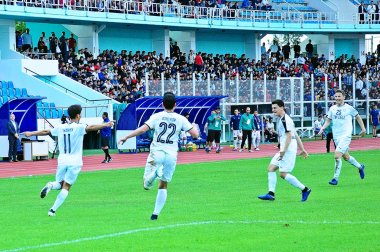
(147, 8)
(47, 80)
(249, 91)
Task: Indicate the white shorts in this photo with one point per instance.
(67, 173)
(164, 164)
(256, 134)
(287, 163)
(342, 144)
(237, 133)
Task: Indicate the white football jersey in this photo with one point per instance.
(341, 117)
(70, 143)
(285, 124)
(167, 126)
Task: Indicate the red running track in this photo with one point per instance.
(124, 161)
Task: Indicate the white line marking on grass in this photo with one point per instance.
(46, 245)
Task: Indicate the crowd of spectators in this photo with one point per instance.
(146, 6)
(121, 75)
(369, 13)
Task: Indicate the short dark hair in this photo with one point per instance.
(280, 103)
(106, 113)
(340, 91)
(74, 110)
(169, 100)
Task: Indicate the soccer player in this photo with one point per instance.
(374, 120)
(256, 134)
(246, 125)
(341, 115)
(105, 135)
(286, 158)
(164, 148)
(234, 125)
(214, 129)
(70, 142)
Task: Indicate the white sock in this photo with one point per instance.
(353, 161)
(272, 181)
(338, 168)
(60, 199)
(160, 200)
(258, 142)
(238, 144)
(55, 185)
(235, 143)
(294, 181)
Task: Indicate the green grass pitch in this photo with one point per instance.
(210, 207)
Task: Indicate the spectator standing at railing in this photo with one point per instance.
(18, 41)
(72, 43)
(286, 51)
(42, 48)
(198, 62)
(263, 50)
(53, 43)
(63, 46)
(362, 10)
(371, 10)
(27, 42)
(45, 39)
(266, 5)
(297, 50)
(309, 49)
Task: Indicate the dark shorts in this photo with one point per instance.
(375, 123)
(105, 141)
(213, 135)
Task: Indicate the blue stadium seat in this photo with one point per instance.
(52, 105)
(41, 113)
(4, 85)
(47, 113)
(5, 98)
(18, 92)
(1, 100)
(60, 113)
(45, 104)
(54, 113)
(24, 93)
(4, 91)
(11, 93)
(10, 84)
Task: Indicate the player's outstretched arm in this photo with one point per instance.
(36, 133)
(327, 123)
(96, 127)
(361, 124)
(300, 145)
(144, 128)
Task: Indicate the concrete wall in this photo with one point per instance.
(220, 42)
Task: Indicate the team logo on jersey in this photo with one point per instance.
(339, 115)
